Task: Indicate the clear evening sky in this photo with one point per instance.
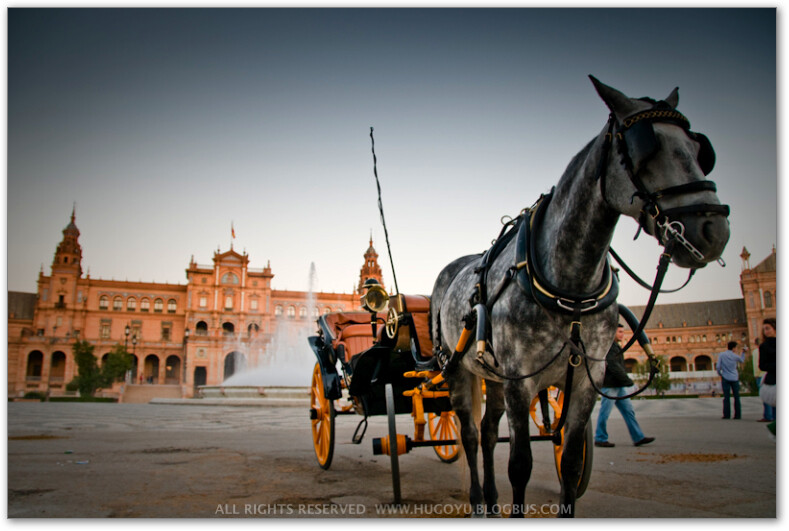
(164, 126)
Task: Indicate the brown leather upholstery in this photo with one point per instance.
(353, 331)
(416, 303)
(422, 327)
(356, 338)
(419, 307)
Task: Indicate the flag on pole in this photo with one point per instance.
(232, 231)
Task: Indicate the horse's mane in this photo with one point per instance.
(576, 162)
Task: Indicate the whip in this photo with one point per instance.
(381, 210)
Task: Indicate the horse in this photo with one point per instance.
(647, 164)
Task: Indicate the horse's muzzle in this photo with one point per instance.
(708, 234)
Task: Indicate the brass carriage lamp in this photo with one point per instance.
(375, 299)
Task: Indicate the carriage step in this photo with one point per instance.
(405, 444)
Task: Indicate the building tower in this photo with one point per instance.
(68, 256)
(370, 269)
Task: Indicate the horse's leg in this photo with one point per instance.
(465, 396)
(494, 409)
(520, 465)
(581, 405)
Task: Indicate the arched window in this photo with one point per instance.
(278, 311)
(35, 360)
(228, 328)
(57, 370)
(291, 312)
(104, 302)
(678, 364)
(768, 299)
(703, 363)
(253, 329)
(131, 304)
(229, 278)
(145, 305)
(117, 304)
(201, 328)
(171, 306)
(302, 312)
(158, 305)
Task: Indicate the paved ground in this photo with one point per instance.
(146, 460)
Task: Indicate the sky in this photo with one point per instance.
(166, 126)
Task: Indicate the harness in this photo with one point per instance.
(637, 144)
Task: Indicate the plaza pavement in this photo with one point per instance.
(169, 460)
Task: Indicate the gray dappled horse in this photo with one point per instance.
(646, 164)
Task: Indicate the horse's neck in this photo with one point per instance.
(573, 242)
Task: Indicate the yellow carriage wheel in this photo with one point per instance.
(556, 403)
(322, 415)
(443, 428)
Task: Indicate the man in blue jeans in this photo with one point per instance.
(730, 378)
(615, 383)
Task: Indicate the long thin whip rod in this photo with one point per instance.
(381, 210)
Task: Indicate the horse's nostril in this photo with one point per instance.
(708, 231)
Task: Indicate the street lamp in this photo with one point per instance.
(134, 350)
(186, 338)
(126, 332)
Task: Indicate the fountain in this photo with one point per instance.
(283, 367)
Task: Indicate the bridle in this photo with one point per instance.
(636, 145)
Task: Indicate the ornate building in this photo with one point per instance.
(758, 289)
(689, 335)
(180, 336)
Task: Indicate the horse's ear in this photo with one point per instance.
(673, 98)
(617, 102)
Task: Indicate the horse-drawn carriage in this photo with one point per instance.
(380, 362)
(523, 316)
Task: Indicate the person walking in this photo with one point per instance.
(615, 383)
(726, 366)
(767, 364)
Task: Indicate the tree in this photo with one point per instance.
(115, 366)
(90, 377)
(662, 380)
(747, 377)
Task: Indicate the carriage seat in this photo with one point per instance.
(352, 330)
(356, 339)
(419, 308)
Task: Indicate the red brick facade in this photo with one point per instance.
(180, 334)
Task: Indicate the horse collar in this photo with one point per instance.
(537, 287)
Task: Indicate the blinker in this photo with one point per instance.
(706, 156)
(642, 144)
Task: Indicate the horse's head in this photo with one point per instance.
(655, 171)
